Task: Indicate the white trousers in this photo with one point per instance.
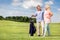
(40, 24)
(46, 29)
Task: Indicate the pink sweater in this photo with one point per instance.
(47, 17)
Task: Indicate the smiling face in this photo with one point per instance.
(38, 8)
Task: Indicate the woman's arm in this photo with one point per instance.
(50, 13)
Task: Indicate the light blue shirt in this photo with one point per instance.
(39, 16)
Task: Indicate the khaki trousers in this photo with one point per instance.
(39, 26)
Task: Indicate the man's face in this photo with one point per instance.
(38, 8)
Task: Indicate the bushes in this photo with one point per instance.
(18, 18)
(1, 17)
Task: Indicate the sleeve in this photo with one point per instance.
(35, 14)
(43, 15)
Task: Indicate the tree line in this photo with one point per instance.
(18, 18)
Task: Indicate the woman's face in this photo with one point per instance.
(47, 7)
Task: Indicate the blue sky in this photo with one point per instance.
(27, 7)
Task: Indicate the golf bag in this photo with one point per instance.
(32, 28)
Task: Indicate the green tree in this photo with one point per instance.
(1, 17)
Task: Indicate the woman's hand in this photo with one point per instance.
(51, 14)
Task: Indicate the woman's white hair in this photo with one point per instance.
(47, 6)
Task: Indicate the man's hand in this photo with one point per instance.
(33, 16)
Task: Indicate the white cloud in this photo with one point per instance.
(27, 3)
(31, 3)
(49, 2)
(12, 12)
(7, 12)
(16, 2)
(59, 9)
(4, 12)
(56, 18)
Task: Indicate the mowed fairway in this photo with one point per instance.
(10, 30)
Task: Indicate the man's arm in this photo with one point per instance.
(34, 15)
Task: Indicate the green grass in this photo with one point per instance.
(10, 30)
